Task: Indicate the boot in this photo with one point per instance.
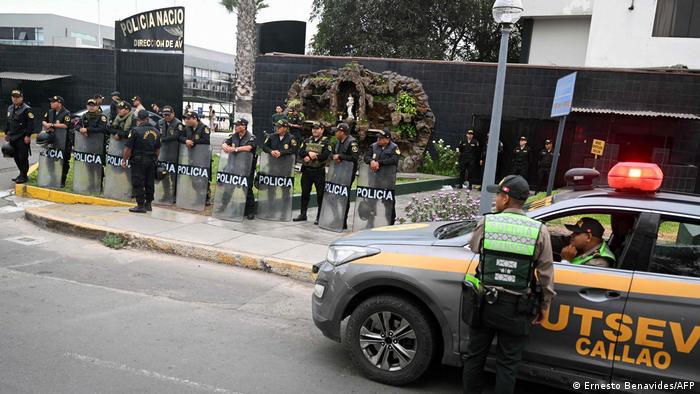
(21, 179)
(148, 206)
(138, 209)
(300, 218)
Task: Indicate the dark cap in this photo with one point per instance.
(547, 142)
(98, 96)
(587, 225)
(17, 93)
(522, 137)
(191, 114)
(512, 185)
(316, 125)
(142, 115)
(123, 105)
(343, 126)
(241, 121)
(115, 93)
(91, 101)
(281, 123)
(384, 133)
(167, 110)
(136, 98)
(56, 98)
(470, 131)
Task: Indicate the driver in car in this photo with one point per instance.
(587, 245)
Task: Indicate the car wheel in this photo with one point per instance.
(390, 339)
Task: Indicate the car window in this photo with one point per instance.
(557, 226)
(677, 248)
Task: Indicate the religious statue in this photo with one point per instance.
(350, 103)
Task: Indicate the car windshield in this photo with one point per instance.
(452, 230)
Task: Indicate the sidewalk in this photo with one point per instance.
(285, 248)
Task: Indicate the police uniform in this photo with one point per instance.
(96, 122)
(599, 255)
(385, 156)
(297, 120)
(544, 165)
(347, 150)
(286, 145)
(511, 295)
(170, 131)
(144, 143)
(248, 139)
(199, 135)
(120, 126)
(469, 154)
(63, 117)
(20, 124)
(313, 173)
(521, 161)
(277, 117)
(113, 106)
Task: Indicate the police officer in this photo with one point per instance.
(587, 245)
(123, 122)
(141, 150)
(19, 130)
(94, 121)
(98, 100)
(544, 164)
(196, 133)
(313, 153)
(384, 153)
(345, 149)
(296, 123)
(279, 114)
(170, 127)
(515, 297)
(281, 143)
(58, 117)
(469, 154)
(521, 158)
(116, 98)
(242, 140)
(137, 104)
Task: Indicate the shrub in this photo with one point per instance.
(407, 130)
(446, 163)
(441, 206)
(406, 104)
(113, 241)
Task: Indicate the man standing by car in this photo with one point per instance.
(515, 258)
(19, 130)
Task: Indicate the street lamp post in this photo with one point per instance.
(506, 13)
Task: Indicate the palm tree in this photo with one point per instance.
(245, 53)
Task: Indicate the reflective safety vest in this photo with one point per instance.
(507, 258)
(603, 251)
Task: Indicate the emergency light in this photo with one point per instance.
(635, 176)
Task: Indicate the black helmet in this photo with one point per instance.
(365, 211)
(45, 138)
(161, 171)
(8, 150)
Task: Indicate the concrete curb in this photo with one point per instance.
(288, 268)
(41, 193)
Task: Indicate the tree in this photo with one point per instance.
(245, 53)
(428, 29)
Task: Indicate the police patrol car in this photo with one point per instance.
(622, 327)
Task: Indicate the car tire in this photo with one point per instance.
(378, 362)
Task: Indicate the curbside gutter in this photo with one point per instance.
(288, 268)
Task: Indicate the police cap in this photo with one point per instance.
(123, 105)
(191, 115)
(56, 98)
(512, 185)
(385, 133)
(241, 121)
(167, 110)
(281, 123)
(316, 125)
(136, 98)
(98, 96)
(343, 126)
(17, 93)
(91, 102)
(588, 226)
(547, 142)
(115, 93)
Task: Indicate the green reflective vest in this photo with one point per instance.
(603, 251)
(507, 258)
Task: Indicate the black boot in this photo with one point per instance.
(300, 218)
(148, 206)
(21, 179)
(138, 209)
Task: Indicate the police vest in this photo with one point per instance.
(508, 250)
(316, 147)
(603, 251)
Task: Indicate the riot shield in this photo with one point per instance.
(335, 196)
(275, 183)
(165, 188)
(193, 171)
(374, 204)
(51, 160)
(88, 159)
(117, 184)
(232, 183)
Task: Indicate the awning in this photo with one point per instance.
(634, 113)
(30, 76)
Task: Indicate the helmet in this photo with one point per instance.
(45, 138)
(8, 150)
(161, 171)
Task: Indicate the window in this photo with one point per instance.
(677, 249)
(21, 35)
(677, 18)
(83, 37)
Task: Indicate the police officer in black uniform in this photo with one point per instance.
(141, 150)
(116, 98)
(469, 154)
(345, 149)
(282, 143)
(313, 153)
(544, 164)
(242, 140)
(196, 133)
(170, 127)
(58, 117)
(19, 130)
(384, 152)
(521, 158)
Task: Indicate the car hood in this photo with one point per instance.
(402, 234)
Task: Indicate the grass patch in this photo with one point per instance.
(113, 241)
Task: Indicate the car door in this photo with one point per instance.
(576, 337)
(661, 323)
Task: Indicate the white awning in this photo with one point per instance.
(29, 76)
(635, 113)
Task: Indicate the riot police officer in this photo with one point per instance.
(313, 153)
(345, 149)
(521, 158)
(243, 140)
(19, 130)
(544, 165)
(514, 297)
(469, 154)
(281, 143)
(384, 153)
(116, 98)
(123, 122)
(141, 151)
(296, 123)
(170, 127)
(94, 121)
(196, 133)
(58, 117)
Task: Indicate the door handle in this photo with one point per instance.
(599, 295)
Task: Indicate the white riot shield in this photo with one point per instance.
(88, 159)
(232, 182)
(275, 183)
(376, 197)
(117, 183)
(164, 192)
(51, 160)
(335, 196)
(193, 172)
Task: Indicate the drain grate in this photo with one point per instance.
(24, 240)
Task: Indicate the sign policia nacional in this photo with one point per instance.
(162, 30)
